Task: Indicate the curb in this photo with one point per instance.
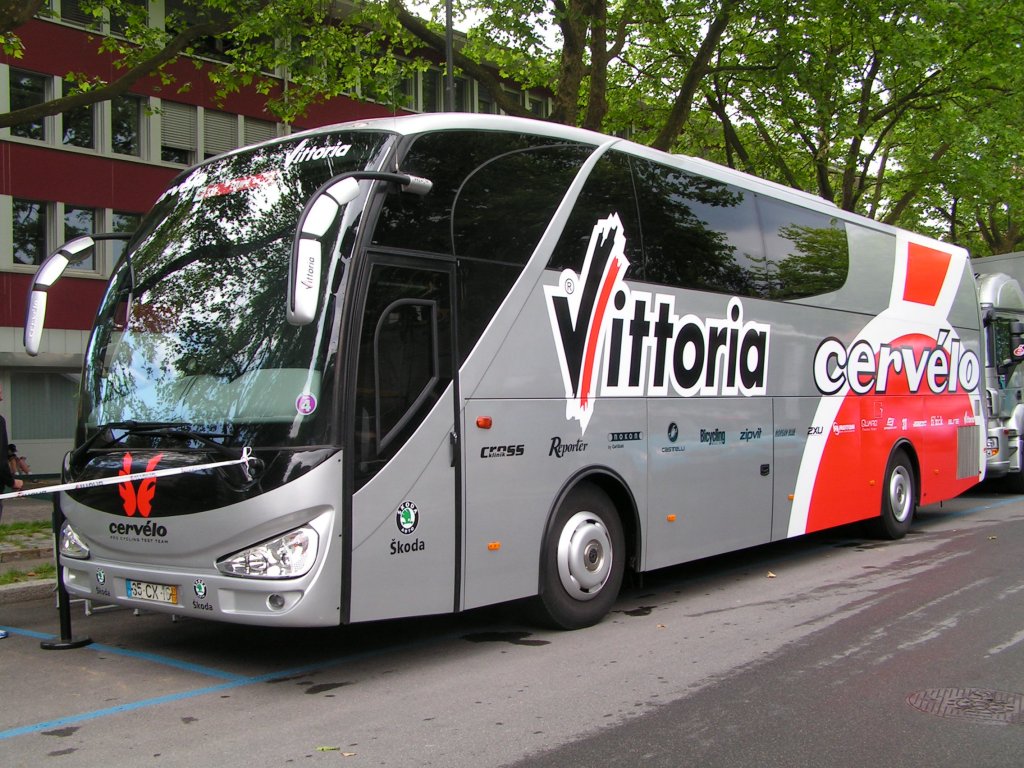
(16, 555)
(26, 590)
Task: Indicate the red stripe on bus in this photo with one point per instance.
(595, 330)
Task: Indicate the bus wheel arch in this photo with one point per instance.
(901, 492)
(584, 553)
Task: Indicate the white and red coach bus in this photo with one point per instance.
(418, 365)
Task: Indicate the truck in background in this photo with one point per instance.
(1002, 308)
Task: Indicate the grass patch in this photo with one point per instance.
(46, 571)
(25, 534)
(25, 528)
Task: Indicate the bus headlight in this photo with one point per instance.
(71, 545)
(286, 557)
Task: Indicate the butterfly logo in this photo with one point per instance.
(141, 500)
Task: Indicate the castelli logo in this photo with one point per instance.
(140, 501)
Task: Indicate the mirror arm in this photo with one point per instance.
(72, 252)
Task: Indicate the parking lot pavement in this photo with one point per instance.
(144, 662)
(146, 681)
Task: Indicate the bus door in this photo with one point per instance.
(403, 528)
(709, 477)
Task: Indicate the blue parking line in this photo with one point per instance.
(158, 700)
(142, 655)
(183, 665)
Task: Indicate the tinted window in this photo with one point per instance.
(505, 204)
(450, 160)
(483, 285)
(609, 190)
(698, 233)
(808, 253)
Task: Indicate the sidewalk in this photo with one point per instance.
(23, 552)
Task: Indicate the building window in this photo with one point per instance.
(71, 11)
(484, 101)
(29, 231)
(537, 106)
(258, 130)
(220, 132)
(27, 90)
(79, 128)
(45, 405)
(461, 95)
(177, 133)
(80, 221)
(405, 92)
(126, 125)
(122, 222)
(119, 21)
(433, 91)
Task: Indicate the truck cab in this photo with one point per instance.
(1002, 307)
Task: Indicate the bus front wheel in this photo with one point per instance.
(899, 497)
(583, 561)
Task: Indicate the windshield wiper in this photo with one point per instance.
(166, 429)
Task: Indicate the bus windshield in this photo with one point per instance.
(193, 329)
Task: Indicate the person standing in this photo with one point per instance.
(7, 478)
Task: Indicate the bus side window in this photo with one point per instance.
(808, 253)
(699, 233)
(609, 189)
(500, 213)
(506, 203)
(450, 159)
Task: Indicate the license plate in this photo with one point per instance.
(157, 593)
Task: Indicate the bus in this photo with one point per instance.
(419, 365)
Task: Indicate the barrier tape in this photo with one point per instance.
(118, 479)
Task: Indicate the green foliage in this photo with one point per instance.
(905, 112)
(11, 45)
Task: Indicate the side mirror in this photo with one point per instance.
(320, 212)
(48, 273)
(308, 248)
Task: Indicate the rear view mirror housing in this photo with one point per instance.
(49, 272)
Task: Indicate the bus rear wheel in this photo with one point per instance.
(583, 561)
(899, 497)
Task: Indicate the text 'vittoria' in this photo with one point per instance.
(616, 341)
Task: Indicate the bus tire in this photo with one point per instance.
(899, 497)
(583, 561)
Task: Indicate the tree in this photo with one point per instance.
(325, 54)
(860, 101)
(901, 110)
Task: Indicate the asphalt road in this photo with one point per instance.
(828, 650)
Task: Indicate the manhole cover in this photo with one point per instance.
(976, 704)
